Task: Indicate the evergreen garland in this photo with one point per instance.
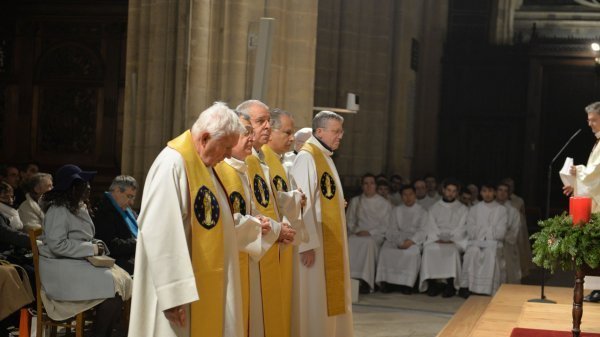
(560, 244)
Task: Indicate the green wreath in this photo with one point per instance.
(559, 244)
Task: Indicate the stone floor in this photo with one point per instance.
(418, 315)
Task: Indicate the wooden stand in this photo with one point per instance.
(580, 275)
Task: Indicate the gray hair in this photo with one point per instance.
(594, 107)
(276, 117)
(36, 180)
(242, 115)
(245, 107)
(320, 120)
(122, 182)
(219, 121)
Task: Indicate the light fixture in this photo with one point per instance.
(595, 46)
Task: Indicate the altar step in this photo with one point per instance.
(482, 316)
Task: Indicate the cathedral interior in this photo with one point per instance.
(474, 89)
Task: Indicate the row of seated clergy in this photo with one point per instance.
(442, 233)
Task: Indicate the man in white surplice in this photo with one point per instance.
(588, 176)
(511, 250)
(367, 218)
(483, 268)
(400, 255)
(423, 198)
(165, 282)
(446, 240)
(523, 244)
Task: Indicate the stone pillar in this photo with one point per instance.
(403, 85)
(429, 85)
(182, 55)
(502, 21)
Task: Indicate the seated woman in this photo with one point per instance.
(71, 284)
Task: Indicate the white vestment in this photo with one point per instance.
(164, 276)
(401, 266)
(370, 214)
(256, 326)
(588, 178)
(447, 221)
(511, 250)
(396, 198)
(12, 215)
(312, 300)
(427, 202)
(523, 243)
(483, 268)
(31, 214)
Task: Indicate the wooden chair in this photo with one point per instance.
(43, 321)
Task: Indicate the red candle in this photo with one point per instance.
(580, 209)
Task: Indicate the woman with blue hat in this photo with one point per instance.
(70, 283)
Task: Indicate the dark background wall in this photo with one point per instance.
(61, 83)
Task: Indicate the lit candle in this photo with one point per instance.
(580, 209)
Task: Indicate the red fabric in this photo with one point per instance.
(522, 332)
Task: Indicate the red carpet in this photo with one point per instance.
(521, 332)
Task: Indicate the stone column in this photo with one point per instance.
(429, 83)
(182, 55)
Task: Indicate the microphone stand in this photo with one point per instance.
(543, 298)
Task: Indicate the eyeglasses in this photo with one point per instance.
(130, 197)
(260, 121)
(337, 132)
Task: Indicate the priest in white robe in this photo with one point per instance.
(523, 243)
(511, 249)
(446, 240)
(169, 293)
(400, 256)
(396, 183)
(325, 301)
(423, 198)
(483, 268)
(588, 176)
(367, 218)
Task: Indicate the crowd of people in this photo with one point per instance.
(414, 236)
(244, 231)
(238, 234)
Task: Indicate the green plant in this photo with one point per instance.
(559, 244)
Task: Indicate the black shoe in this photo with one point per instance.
(464, 292)
(385, 288)
(434, 288)
(364, 288)
(449, 291)
(406, 290)
(593, 297)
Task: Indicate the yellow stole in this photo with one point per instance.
(237, 199)
(270, 273)
(280, 183)
(206, 315)
(333, 249)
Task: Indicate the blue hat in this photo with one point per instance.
(66, 175)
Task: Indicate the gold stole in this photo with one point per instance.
(237, 199)
(280, 183)
(270, 273)
(333, 249)
(206, 315)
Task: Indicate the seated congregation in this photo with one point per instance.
(73, 232)
(414, 237)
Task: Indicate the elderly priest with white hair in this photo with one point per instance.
(187, 274)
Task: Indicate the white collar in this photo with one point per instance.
(238, 165)
(597, 134)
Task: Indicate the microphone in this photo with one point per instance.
(543, 298)
(564, 146)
